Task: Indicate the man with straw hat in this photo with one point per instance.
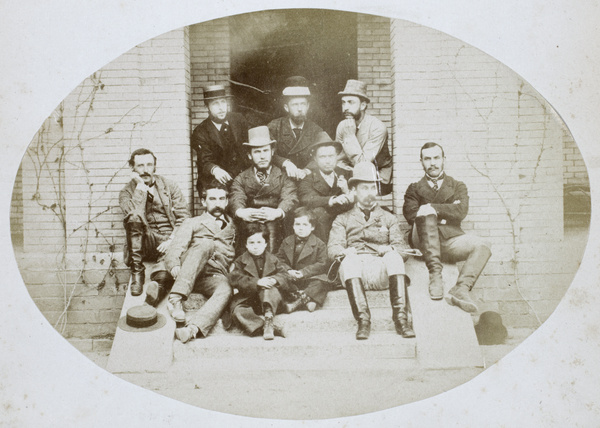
(263, 193)
(294, 133)
(364, 137)
(370, 242)
(218, 140)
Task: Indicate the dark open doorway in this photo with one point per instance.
(270, 46)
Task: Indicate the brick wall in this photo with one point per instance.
(504, 141)
(574, 169)
(142, 99)
(16, 211)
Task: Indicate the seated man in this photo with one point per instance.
(325, 189)
(218, 140)
(200, 255)
(435, 207)
(263, 193)
(364, 137)
(294, 133)
(370, 240)
(154, 207)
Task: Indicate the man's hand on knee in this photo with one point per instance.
(425, 210)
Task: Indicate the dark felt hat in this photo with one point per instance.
(141, 318)
(489, 329)
(259, 137)
(296, 86)
(356, 88)
(323, 139)
(214, 92)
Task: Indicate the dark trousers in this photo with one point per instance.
(246, 310)
(316, 289)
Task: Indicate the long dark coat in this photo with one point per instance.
(287, 147)
(279, 191)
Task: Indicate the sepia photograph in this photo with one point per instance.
(302, 214)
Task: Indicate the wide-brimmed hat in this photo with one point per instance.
(364, 172)
(296, 86)
(214, 92)
(489, 329)
(141, 318)
(323, 139)
(259, 137)
(356, 88)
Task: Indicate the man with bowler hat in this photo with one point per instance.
(263, 193)
(435, 207)
(218, 140)
(370, 242)
(364, 137)
(294, 133)
(325, 190)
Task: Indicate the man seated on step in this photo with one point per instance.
(325, 190)
(370, 241)
(154, 207)
(435, 207)
(199, 257)
(262, 193)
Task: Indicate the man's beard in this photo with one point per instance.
(218, 120)
(350, 115)
(299, 119)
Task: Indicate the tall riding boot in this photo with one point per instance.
(135, 238)
(400, 306)
(429, 238)
(459, 294)
(158, 287)
(360, 307)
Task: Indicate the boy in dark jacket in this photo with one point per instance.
(305, 256)
(257, 275)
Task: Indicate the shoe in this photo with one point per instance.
(268, 329)
(311, 306)
(288, 308)
(160, 283)
(187, 333)
(429, 238)
(175, 307)
(400, 305)
(364, 330)
(459, 296)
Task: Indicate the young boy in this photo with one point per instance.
(258, 275)
(305, 257)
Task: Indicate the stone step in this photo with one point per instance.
(316, 350)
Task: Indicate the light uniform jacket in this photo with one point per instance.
(194, 231)
(350, 229)
(451, 202)
(287, 147)
(369, 145)
(132, 200)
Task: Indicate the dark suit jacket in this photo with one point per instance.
(312, 261)
(211, 151)
(278, 192)
(451, 202)
(287, 147)
(313, 192)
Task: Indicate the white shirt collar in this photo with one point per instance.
(219, 125)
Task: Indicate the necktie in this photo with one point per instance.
(297, 132)
(262, 177)
(367, 214)
(221, 222)
(435, 184)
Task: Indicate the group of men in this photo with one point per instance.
(259, 175)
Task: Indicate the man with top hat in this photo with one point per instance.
(154, 208)
(218, 140)
(435, 207)
(369, 242)
(263, 193)
(294, 133)
(325, 190)
(199, 258)
(364, 137)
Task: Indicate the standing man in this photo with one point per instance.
(200, 255)
(370, 241)
(434, 207)
(364, 137)
(263, 193)
(294, 133)
(154, 207)
(218, 140)
(325, 190)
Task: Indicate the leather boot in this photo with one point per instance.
(135, 237)
(175, 307)
(429, 238)
(360, 307)
(400, 305)
(459, 294)
(268, 327)
(160, 284)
